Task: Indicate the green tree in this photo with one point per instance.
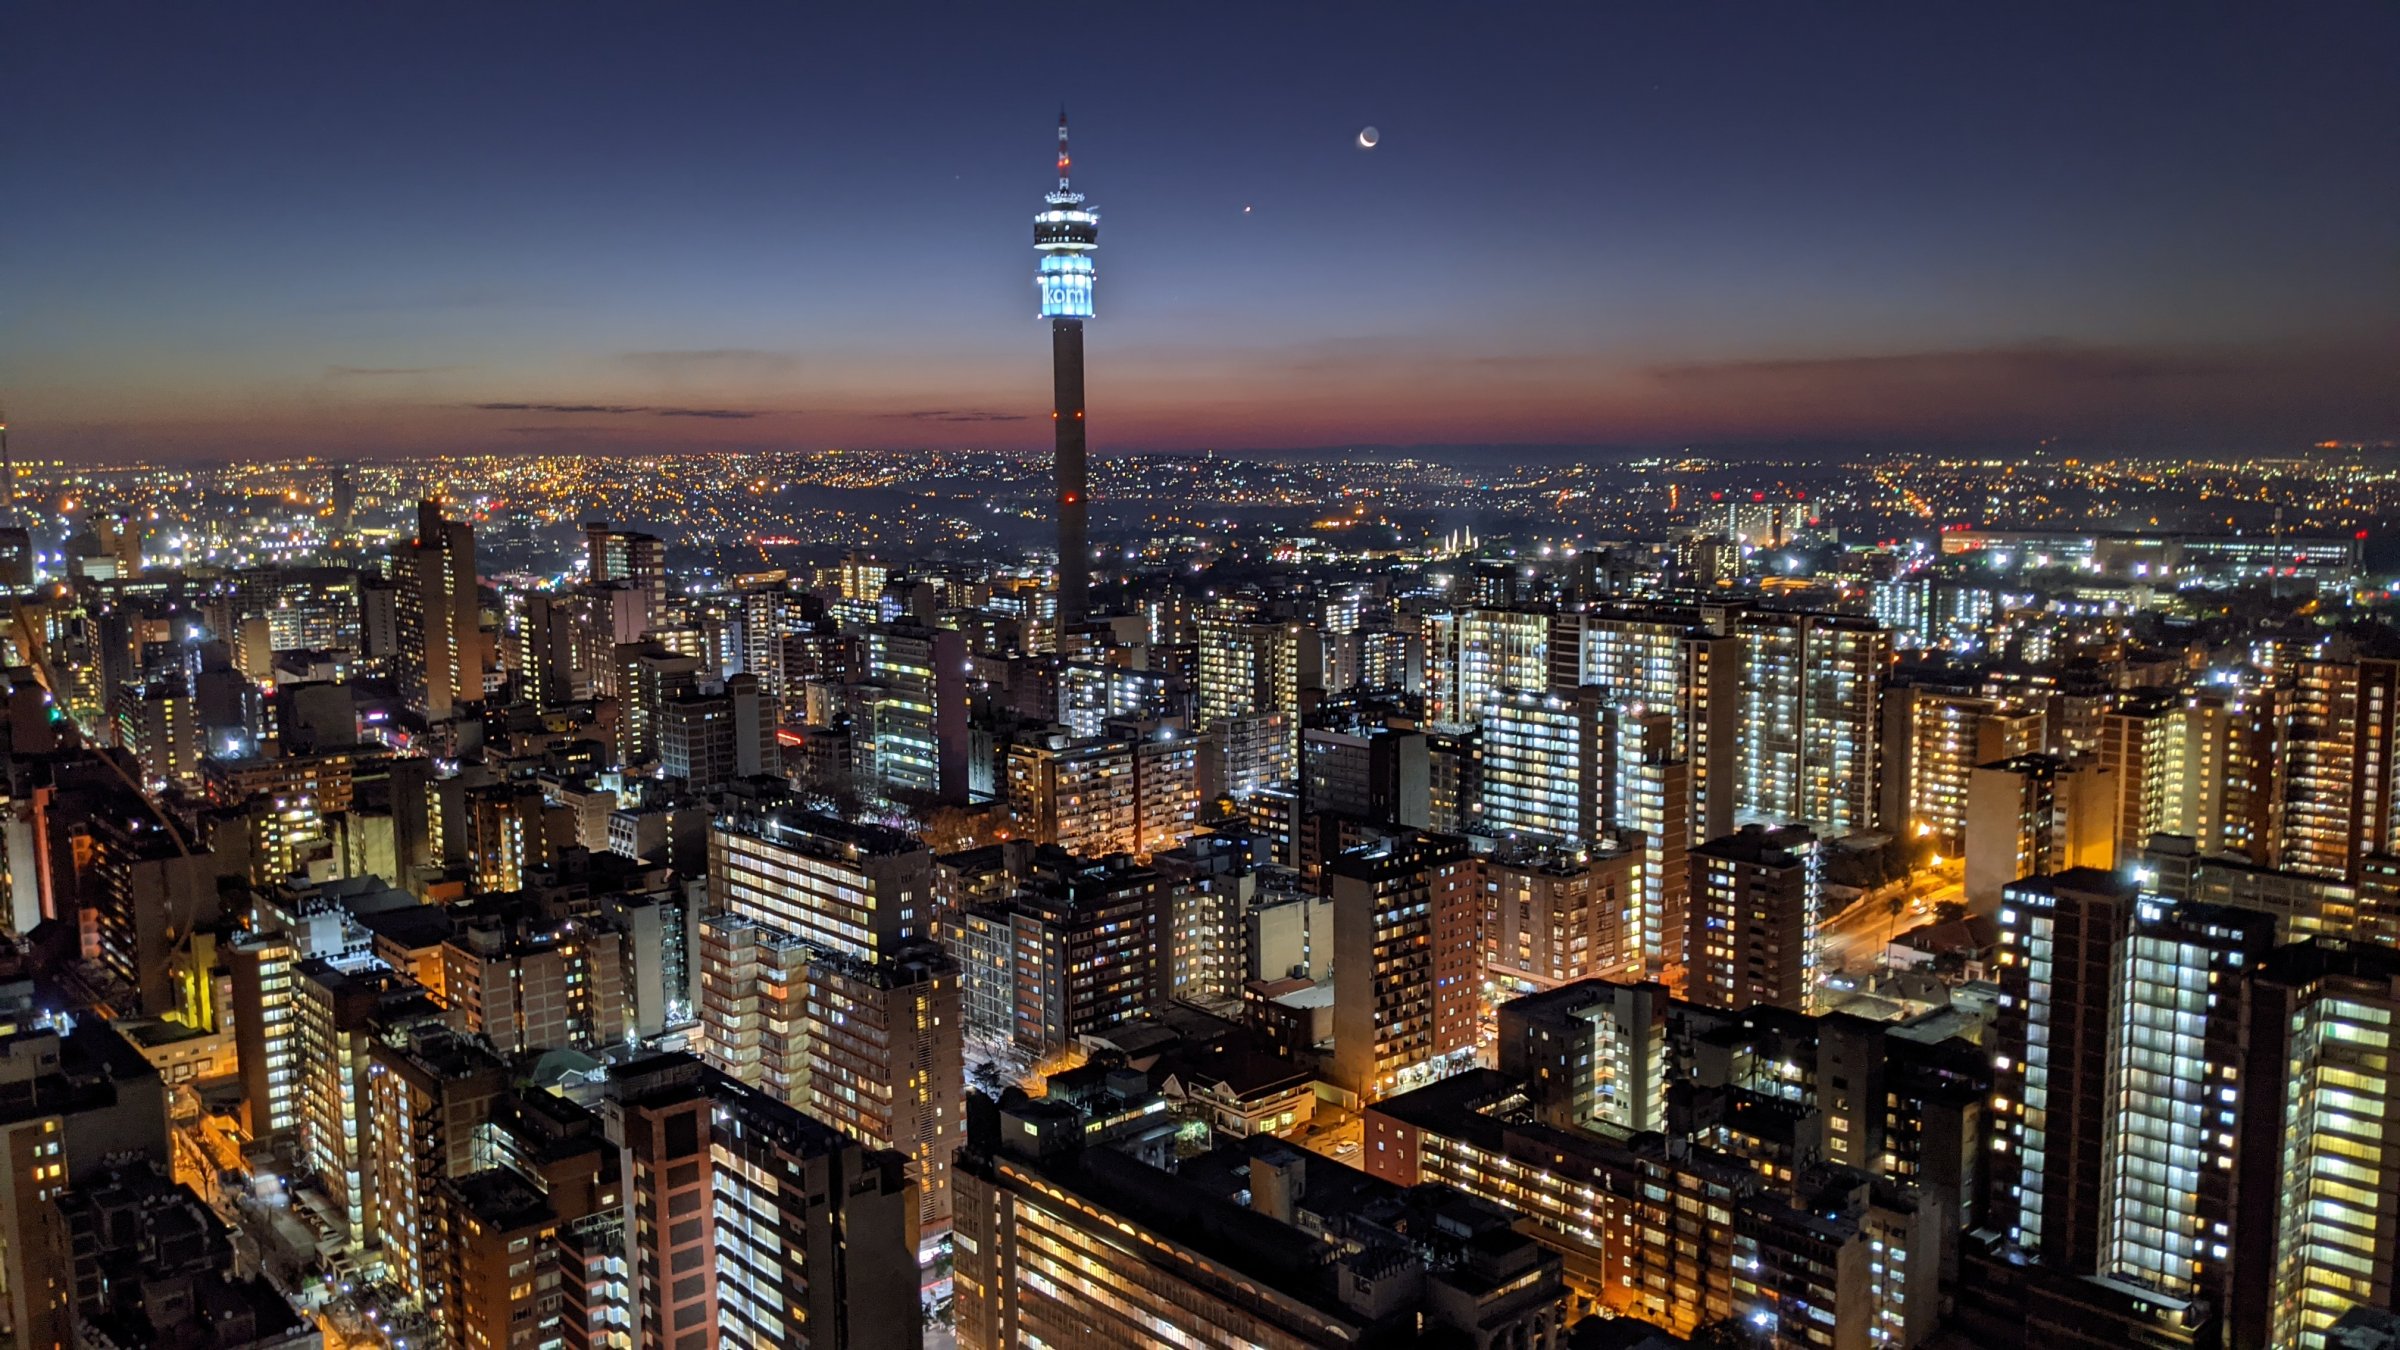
(1731, 1333)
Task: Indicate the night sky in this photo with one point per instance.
(340, 228)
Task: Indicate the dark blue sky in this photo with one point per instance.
(343, 227)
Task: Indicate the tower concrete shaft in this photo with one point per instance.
(1074, 546)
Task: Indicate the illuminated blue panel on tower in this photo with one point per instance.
(1066, 286)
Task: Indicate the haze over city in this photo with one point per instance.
(291, 229)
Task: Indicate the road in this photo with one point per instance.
(1335, 1133)
(1854, 940)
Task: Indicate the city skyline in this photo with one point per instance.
(1715, 679)
(319, 232)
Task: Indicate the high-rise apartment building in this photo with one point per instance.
(1546, 761)
(1843, 1260)
(1364, 763)
(1080, 946)
(2294, 770)
(1650, 807)
(856, 890)
(1932, 740)
(754, 1001)
(1213, 885)
(1591, 1052)
(1472, 655)
(533, 1243)
(2035, 815)
(1249, 691)
(1092, 694)
(1554, 916)
(625, 556)
(159, 723)
(658, 929)
(1062, 1245)
(1135, 793)
(503, 1270)
(1811, 722)
(528, 987)
(708, 740)
(916, 710)
(2061, 948)
(2185, 1085)
(1387, 658)
(1643, 1229)
(2186, 1104)
(828, 988)
(1454, 774)
(754, 1224)
(2199, 764)
(2331, 1009)
(2304, 905)
(2341, 790)
(649, 677)
(1684, 661)
(343, 1013)
(1755, 903)
(1799, 1174)
(439, 616)
(884, 1062)
(145, 891)
(266, 1031)
(1252, 755)
(76, 1102)
(429, 1090)
(1407, 968)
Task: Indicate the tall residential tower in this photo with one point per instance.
(1065, 232)
(441, 632)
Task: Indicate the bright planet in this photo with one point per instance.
(1368, 137)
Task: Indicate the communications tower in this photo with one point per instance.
(1065, 233)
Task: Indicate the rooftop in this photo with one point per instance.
(1761, 845)
(412, 928)
(1399, 854)
(822, 835)
(504, 1201)
(1246, 1073)
(1241, 1241)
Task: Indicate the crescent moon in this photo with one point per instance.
(1368, 138)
